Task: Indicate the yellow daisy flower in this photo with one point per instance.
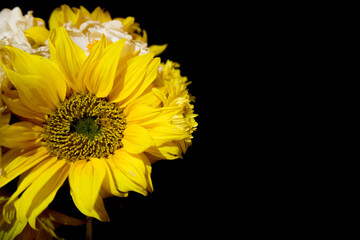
(86, 119)
(78, 16)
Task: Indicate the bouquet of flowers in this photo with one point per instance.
(86, 103)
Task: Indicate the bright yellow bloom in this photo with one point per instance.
(78, 16)
(89, 119)
(171, 88)
(175, 88)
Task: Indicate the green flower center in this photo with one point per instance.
(84, 127)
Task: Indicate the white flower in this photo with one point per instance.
(91, 31)
(12, 27)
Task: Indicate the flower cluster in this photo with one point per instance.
(85, 102)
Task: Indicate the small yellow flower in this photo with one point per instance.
(89, 119)
(171, 88)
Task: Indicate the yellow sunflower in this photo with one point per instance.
(90, 120)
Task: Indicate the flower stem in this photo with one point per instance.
(89, 228)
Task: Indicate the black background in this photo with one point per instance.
(182, 203)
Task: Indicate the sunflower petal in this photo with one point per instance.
(103, 71)
(69, 56)
(100, 211)
(17, 161)
(26, 180)
(145, 115)
(54, 19)
(167, 151)
(19, 135)
(24, 62)
(88, 66)
(136, 139)
(150, 99)
(85, 178)
(62, 15)
(18, 107)
(158, 49)
(37, 36)
(47, 225)
(131, 172)
(10, 231)
(132, 78)
(108, 187)
(33, 93)
(28, 64)
(167, 132)
(151, 74)
(40, 84)
(63, 219)
(42, 191)
(99, 15)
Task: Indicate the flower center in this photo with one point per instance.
(84, 127)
